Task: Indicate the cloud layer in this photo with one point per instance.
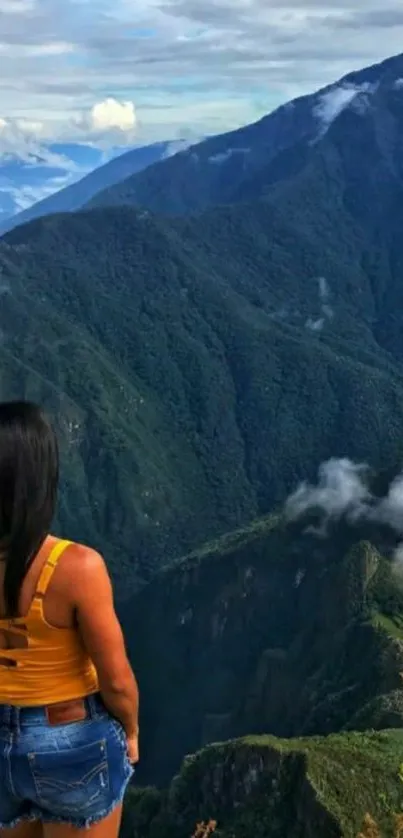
(172, 65)
(342, 491)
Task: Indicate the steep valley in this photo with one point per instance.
(271, 630)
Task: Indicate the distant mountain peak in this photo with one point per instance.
(33, 188)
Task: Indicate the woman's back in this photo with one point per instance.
(42, 655)
(57, 611)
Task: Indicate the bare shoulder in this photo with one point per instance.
(83, 564)
(80, 555)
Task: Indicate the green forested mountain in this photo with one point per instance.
(207, 363)
(261, 787)
(268, 630)
(271, 630)
(205, 366)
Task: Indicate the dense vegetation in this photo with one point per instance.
(260, 787)
(271, 629)
(187, 362)
(240, 629)
(204, 365)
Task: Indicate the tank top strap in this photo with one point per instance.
(50, 566)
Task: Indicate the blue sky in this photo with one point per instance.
(127, 71)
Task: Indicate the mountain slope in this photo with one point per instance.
(239, 629)
(237, 324)
(261, 787)
(226, 168)
(74, 196)
(206, 400)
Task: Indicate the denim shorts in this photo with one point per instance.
(72, 773)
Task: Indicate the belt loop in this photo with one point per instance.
(13, 718)
(17, 719)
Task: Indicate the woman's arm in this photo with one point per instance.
(103, 639)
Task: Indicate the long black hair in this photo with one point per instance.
(29, 475)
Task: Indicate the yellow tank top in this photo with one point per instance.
(54, 665)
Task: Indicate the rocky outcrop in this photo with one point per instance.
(268, 630)
(266, 788)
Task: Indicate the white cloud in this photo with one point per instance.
(226, 155)
(16, 7)
(177, 146)
(334, 101)
(108, 121)
(29, 126)
(390, 508)
(15, 139)
(35, 50)
(24, 196)
(315, 325)
(23, 140)
(342, 491)
(113, 114)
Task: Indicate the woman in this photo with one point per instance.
(68, 697)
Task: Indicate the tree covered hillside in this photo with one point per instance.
(268, 630)
(261, 787)
(200, 369)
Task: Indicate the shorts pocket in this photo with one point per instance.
(71, 781)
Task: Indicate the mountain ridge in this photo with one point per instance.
(76, 194)
(195, 180)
